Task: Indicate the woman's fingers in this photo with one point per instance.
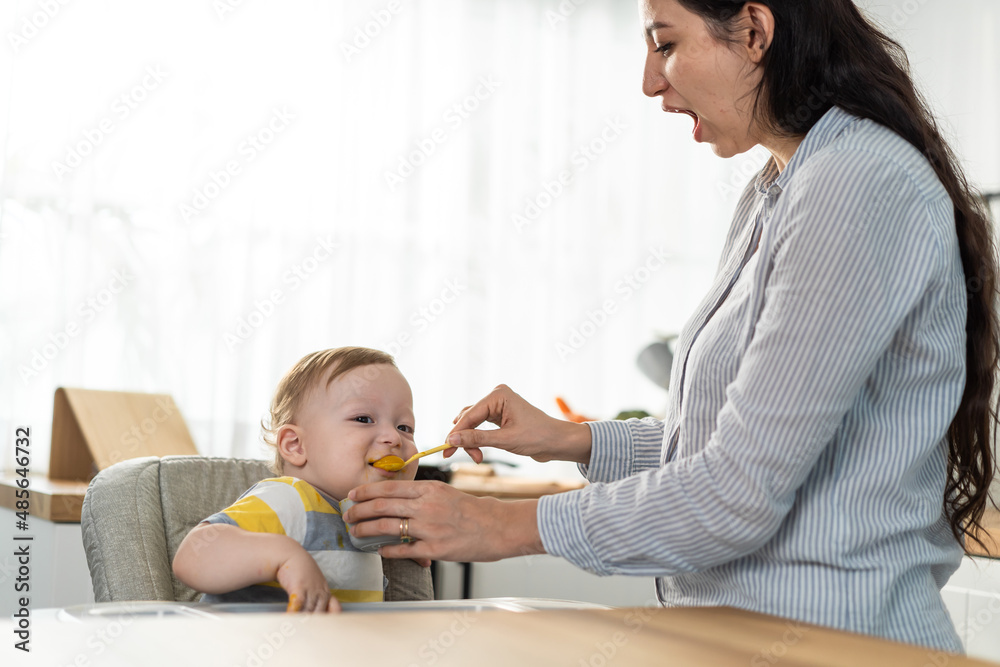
(524, 429)
(489, 408)
(445, 523)
(460, 413)
(374, 527)
(385, 490)
(474, 439)
(413, 551)
(474, 453)
(390, 499)
(498, 407)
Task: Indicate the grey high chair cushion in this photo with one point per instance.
(137, 512)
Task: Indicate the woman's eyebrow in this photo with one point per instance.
(657, 25)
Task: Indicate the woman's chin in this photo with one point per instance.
(725, 150)
(728, 149)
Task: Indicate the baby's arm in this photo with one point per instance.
(219, 558)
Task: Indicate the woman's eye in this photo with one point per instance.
(665, 48)
(364, 419)
(405, 429)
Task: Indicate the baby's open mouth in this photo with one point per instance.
(388, 463)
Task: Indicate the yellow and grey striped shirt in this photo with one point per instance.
(293, 507)
(801, 467)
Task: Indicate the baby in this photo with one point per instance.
(333, 414)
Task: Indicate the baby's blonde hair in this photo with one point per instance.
(302, 377)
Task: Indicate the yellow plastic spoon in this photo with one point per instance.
(393, 463)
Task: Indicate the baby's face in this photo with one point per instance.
(364, 414)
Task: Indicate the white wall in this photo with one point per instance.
(954, 51)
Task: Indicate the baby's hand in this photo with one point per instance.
(307, 589)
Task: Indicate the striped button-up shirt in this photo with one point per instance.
(801, 467)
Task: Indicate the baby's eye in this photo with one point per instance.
(405, 428)
(364, 419)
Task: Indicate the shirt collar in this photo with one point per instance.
(828, 128)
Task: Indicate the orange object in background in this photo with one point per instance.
(569, 414)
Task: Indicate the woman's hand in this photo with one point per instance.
(524, 430)
(446, 523)
(305, 584)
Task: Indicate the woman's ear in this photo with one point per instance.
(290, 445)
(760, 30)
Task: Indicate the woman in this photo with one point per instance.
(826, 444)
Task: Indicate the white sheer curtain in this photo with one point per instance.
(277, 124)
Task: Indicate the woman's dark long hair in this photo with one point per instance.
(824, 53)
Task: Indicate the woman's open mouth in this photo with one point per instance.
(697, 121)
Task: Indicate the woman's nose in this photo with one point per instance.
(653, 81)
